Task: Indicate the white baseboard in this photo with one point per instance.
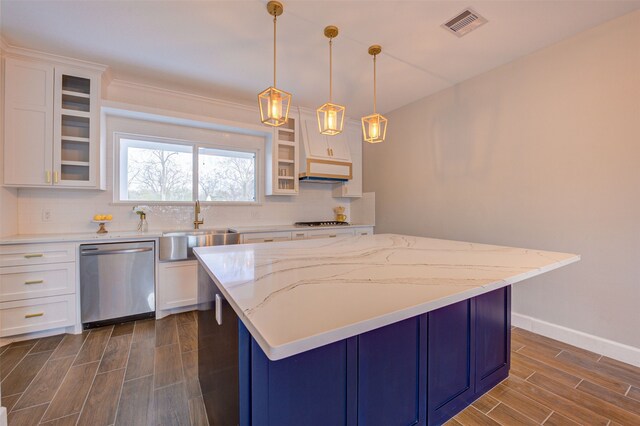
(615, 350)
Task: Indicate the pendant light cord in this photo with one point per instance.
(274, 50)
(374, 84)
(330, 70)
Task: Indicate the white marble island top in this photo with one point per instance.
(299, 295)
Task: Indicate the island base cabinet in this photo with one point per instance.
(468, 352)
(419, 371)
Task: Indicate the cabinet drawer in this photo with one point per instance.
(363, 231)
(28, 282)
(330, 233)
(31, 315)
(266, 237)
(36, 254)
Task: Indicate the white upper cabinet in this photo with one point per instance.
(28, 130)
(51, 134)
(353, 187)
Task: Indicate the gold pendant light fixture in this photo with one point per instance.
(374, 126)
(274, 103)
(330, 115)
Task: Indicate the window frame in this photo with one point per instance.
(195, 146)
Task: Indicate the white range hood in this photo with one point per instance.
(323, 158)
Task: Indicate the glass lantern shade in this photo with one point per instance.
(330, 119)
(274, 106)
(374, 128)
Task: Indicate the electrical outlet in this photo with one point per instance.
(255, 214)
(46, 215)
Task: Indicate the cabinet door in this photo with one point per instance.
(391, 374)
(76, 136)
(315, 142)
(28, 132)
(339, 147)
(493, 338)
(311, 388)
(177, 284)
(450, 365)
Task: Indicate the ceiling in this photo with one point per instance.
(223, 49)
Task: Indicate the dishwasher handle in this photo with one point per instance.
(94, 252)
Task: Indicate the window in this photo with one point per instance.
(155, 169)
(226, 175)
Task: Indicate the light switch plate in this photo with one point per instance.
(46, 215)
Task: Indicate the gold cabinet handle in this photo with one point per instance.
(332, 236)
(47, 175)
(34, 282)
(270, 240)
(55, 177)
(328, 152)
(32, 255)
(332, 152)
(39, 314)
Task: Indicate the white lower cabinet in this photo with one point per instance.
(265, 237)
(37, 287)
(177, 284)
(44, 313)
(25, 282)
(368, 230)
(329, 233)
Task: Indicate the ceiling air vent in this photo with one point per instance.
(464, 22)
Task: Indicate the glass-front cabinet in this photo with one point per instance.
(52, 116)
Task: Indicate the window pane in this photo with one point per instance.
(226, 175)
(155, 171)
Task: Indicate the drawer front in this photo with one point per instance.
(266, 237)
(36, 254)
(330, 233)
(31, 315)
(298, 235)
(28, 282)
(363, 231)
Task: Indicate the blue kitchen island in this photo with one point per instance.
(373, 330)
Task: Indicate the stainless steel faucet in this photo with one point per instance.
(197, 221)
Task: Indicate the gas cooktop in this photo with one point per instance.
(323, 223)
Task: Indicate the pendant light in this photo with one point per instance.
(374, 126)
(274, 103)
(330, 115)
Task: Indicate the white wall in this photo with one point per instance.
(543, 152)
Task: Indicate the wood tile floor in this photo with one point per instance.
(145, 374)
(141, 373)
(553, 383)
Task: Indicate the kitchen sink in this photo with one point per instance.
(178, 245)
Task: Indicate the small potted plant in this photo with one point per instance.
(142, 211)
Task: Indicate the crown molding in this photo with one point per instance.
(49, 57)
(183, 95)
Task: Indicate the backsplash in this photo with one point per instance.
(72, 210)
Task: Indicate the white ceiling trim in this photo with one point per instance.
(50, 57)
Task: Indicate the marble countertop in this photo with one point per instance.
(77, 236)
(115, 235)
(295, 296)
(284, 228)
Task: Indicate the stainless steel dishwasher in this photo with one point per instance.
(117, 282)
